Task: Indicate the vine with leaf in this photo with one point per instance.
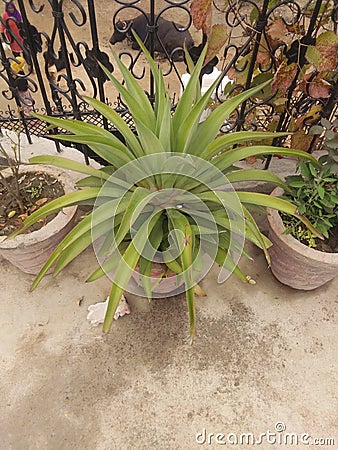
(293, 45)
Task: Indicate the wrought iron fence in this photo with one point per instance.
(50, 48)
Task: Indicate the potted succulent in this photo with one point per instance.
(165, 199)
(299, 258)
(25, 188)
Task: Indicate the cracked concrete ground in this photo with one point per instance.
(264, 355)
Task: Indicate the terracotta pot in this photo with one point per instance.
(164, 285)
(292, 262)
(30, 251)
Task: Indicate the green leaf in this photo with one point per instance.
(158, 78)
(103, 147)
(228, 203)
(163, 129)
(89, 182)
(256, 175)
(313, 56)
(226, 141)
(209, 129)
(189, 125)
(145, 274)
(223, 259)
(76, 126)
(131, 213)
(184, 241)
(149, 141)
(304, 169)
(321, 191)
(313, 170)
(326, 123)
(73, 198)
(261, 240)
(296, 183)
(118, 123)
(69, 164)
(109, 264)
(316, 129)
(125, 268)
(145, 266)
(190, 94)
(76, 247)
(135, 98)
(226, 159)
(269, 201)
(96, 217)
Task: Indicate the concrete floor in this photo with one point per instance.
(264, 356)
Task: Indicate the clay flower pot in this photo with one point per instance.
(29, 251)
(160, 284)
(292, 262)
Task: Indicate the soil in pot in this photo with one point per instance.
(329, 245)
(29, 251)
(35, 190)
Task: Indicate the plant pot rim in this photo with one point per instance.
(276, 223)
(59, 221)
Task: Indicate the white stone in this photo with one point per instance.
(97, 311)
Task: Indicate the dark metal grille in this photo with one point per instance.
(75, 39)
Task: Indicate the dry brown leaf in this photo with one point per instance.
(319, 88)
(207, 24)
(232, 73)
(284, 76)
(276, 29)
(301, 141)
(263, 56)
(41, 201)
(199, 291)
(311, 116)
(217, 39)
(251, 159)
(327, 45)
(278, 33)
(200, 10)
(11, 214)
(296, 28)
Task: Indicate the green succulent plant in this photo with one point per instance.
(315, 192)
(167, 189)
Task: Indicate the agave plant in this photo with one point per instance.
(166, 191)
